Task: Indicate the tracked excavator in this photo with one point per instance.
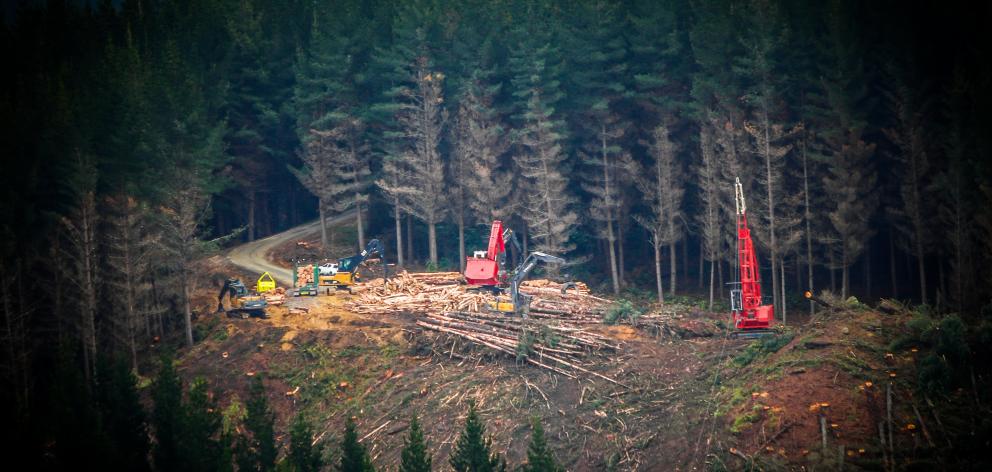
(751, 318)
(243, 303)
(518, 303)
(340, 275)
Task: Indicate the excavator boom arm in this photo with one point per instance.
(521, 273)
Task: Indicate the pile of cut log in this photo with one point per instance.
(554, 336)
(436, 292)
(558, 345)
(276, 297)
(304, 275)
(576, 303)
(417, 293)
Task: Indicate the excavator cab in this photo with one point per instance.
(243, 303)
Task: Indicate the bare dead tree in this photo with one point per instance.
(604, 181)
(395, 183)
(422, 119)
(807, 214)
(316, 176)
(130, 242)
(81, 252)
(181, 219)
(728, 147)
(850, 184)
(909, 137)
(15, 335)
(777, 227)
(483, 185)
(662, 186)
(479, 184)
(708, 220)
(984, 227)
(547, 202)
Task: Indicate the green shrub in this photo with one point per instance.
(548, 336)
(525, 345)
(761, 347)
(920, 327)
(621, 310)
(983, 340)
(743, 422)
(233, 415)
(934, 374)
(950, 340)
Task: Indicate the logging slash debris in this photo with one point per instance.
(556, 335)
(561, 331)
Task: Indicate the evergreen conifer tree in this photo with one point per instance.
(202, 447)
(167, 416)
(546, 200)
(122, 415)
(304, 456)
(597, 90)
(257, 449)
(354, 456)
(539, 458)
(473, 451)
(415, 457)
(76, 422)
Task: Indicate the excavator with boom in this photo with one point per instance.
(489, 269)
(519, 303)
(344, 273)
(243, 303)
(751, 318)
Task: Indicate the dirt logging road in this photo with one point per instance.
(254, 256)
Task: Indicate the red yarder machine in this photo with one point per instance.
(751, 318)
(488, 268)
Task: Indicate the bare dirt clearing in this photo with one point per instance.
(685, 397)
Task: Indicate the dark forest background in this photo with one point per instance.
(139, 136)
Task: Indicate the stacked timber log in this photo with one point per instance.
(304, 275)
(576, 303)
(416, 293)
(276, 297)
(435, 292)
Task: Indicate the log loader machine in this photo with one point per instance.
(344, 273)
(519, 303)
(751, 318)
(490, 270)
(244, 304)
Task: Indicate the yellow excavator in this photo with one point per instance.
(243, 303)
(518, 303)
(344, 273)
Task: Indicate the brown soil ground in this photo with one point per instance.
(685, 403)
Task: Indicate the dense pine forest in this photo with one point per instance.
(142, 136)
